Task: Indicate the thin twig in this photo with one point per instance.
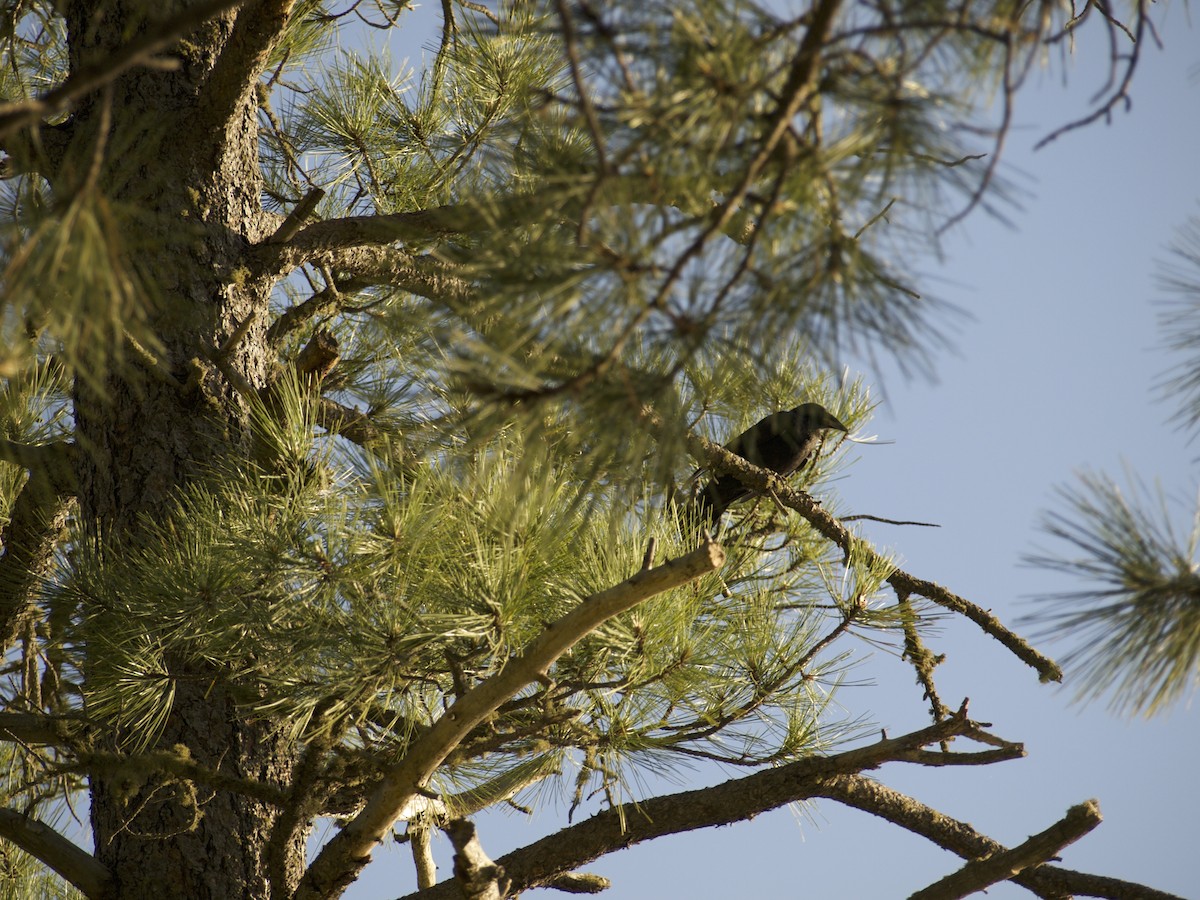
(860, 516)
(1121, 93)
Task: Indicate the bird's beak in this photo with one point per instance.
(830, 421)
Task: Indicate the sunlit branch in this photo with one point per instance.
(540, 863)
(341, 859)
(243, 59)
(960, 838)
(980, 874)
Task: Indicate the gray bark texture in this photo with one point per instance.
(181, 168)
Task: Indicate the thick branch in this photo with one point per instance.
(423, 275)
(325, 300)
(358, 231)
(36, 728)
(904, 584)
(360, 267)
(243, 59)
(541, 863)
(483, 214)
(342, 858)
(420, 839)
(476, 875)
(960, 838)
(77, 866)
(296, 218)
(983, 873)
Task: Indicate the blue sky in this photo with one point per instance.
(1053, 374)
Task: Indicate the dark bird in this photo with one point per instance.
(782, 442)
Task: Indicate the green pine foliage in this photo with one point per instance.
(598, 229)
(348, 600)
(1133, 629)
(1134, 625)
(630, 258)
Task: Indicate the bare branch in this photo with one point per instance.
(580, 883)
(39, 840)
(904, 584)
(983, 873)
(324, 300)
(541, 863)
(344, 856)
(354, 231)
(295, 219)
(870, 518)
(960, 838)
(921, 658)
(479, 215)
(420, 839)
(476, 875)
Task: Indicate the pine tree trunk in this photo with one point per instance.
(184, 185)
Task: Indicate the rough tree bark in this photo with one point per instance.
(146, 429)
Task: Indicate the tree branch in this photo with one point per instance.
(37, 728)
(960, 838)
(356, 231)
(542, 862)
(243, 58)
(74, 864)
(360, 267)
(902, 582)
(342, 858)
(36, 522)
(344, 421)
(295, 219)
(474, 872)
(342, 234)
(983, 873)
